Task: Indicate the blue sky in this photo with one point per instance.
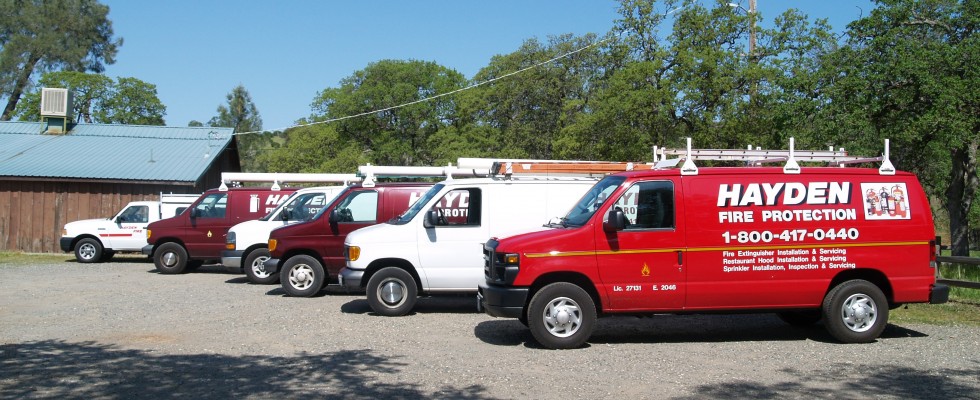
(284, 52)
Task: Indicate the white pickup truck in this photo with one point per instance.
(95, 240)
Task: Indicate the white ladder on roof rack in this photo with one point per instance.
(791, 157)
(281, 178)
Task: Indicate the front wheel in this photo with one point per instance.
(170, 258)
(561, 316)
(88, 250)
(855, 311)
(255, 270)
(302, 276)
(392, 292)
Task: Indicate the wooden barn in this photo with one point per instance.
(49, 177)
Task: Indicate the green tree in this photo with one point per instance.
(392, 136)
(314, 148)
(241, 114)
(99, 99)
(38, 35)
(910, 72)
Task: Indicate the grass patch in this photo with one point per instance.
(19, 258)
(955, 312)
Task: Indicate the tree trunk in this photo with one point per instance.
(959, 196)
(22, 80)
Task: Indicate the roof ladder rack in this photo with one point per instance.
(281, 178)
(370, 173)
(790, 157)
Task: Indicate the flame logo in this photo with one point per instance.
(645, 271)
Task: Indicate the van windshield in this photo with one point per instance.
(417, 206)
(592, 201)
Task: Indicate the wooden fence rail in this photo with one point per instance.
(973, 261)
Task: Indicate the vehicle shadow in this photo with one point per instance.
(680, 329)
(87, 370)
(328, 290)
(445, 304)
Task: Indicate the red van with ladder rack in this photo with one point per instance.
(832, 244)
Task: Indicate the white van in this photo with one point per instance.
(248, 240)
(437, 245)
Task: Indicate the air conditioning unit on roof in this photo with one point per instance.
(56, 102)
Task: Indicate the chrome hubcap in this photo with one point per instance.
(258, 268)
(169, 259)
(562, 317)
(87, 251)
(301, 277)
(392, 292)
(859, 312)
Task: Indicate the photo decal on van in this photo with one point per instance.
(885, 201)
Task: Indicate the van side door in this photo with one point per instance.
(209, 223)
(129, 228)
(357, 210)
(642, 266)
(450, 251)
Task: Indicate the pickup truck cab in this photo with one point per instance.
(94, 240)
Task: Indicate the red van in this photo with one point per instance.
(841, 245)
(310, 254)
(198, 234)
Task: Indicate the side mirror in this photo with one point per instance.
(284, 214)
(117, 219)
(615, 220)
(334, 216)
(431, 219)
(195, 212)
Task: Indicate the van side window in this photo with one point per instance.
(212, 206)
(359, 207)
(459, 207)
(648, 205)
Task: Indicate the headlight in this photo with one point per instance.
(230, 241)
(272, 244)
(512, 259)
(353, 253)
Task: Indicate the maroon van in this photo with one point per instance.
(198, 234)
(310, 254)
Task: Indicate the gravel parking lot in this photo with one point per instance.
(121, 330)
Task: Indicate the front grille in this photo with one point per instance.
(494, 266)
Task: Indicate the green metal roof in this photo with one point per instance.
(112, 152)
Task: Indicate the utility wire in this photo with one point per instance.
(438, 95)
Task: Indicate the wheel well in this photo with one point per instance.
(571, 277)
(301, 252)
(380, 263)
(86, 236)
(871, 275)
(252, 248)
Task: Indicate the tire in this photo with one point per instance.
(392, 292)
(170, 258)
(855, 311)
(561, 316)
(801, 318)
(254, 269)
(302, 276)
(88, 250)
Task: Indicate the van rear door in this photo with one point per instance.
(642, 266)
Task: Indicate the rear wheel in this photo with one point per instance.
(392, 292)
(302, 276)
(88, 250)
(561, 316)
(170, 258)
(855, 311)
(255, 270)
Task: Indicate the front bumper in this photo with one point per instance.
(271, 265)
(499, 301)
(66, 243)
(351, 278)
(147, 250)
(939, 294)
(232, 259)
